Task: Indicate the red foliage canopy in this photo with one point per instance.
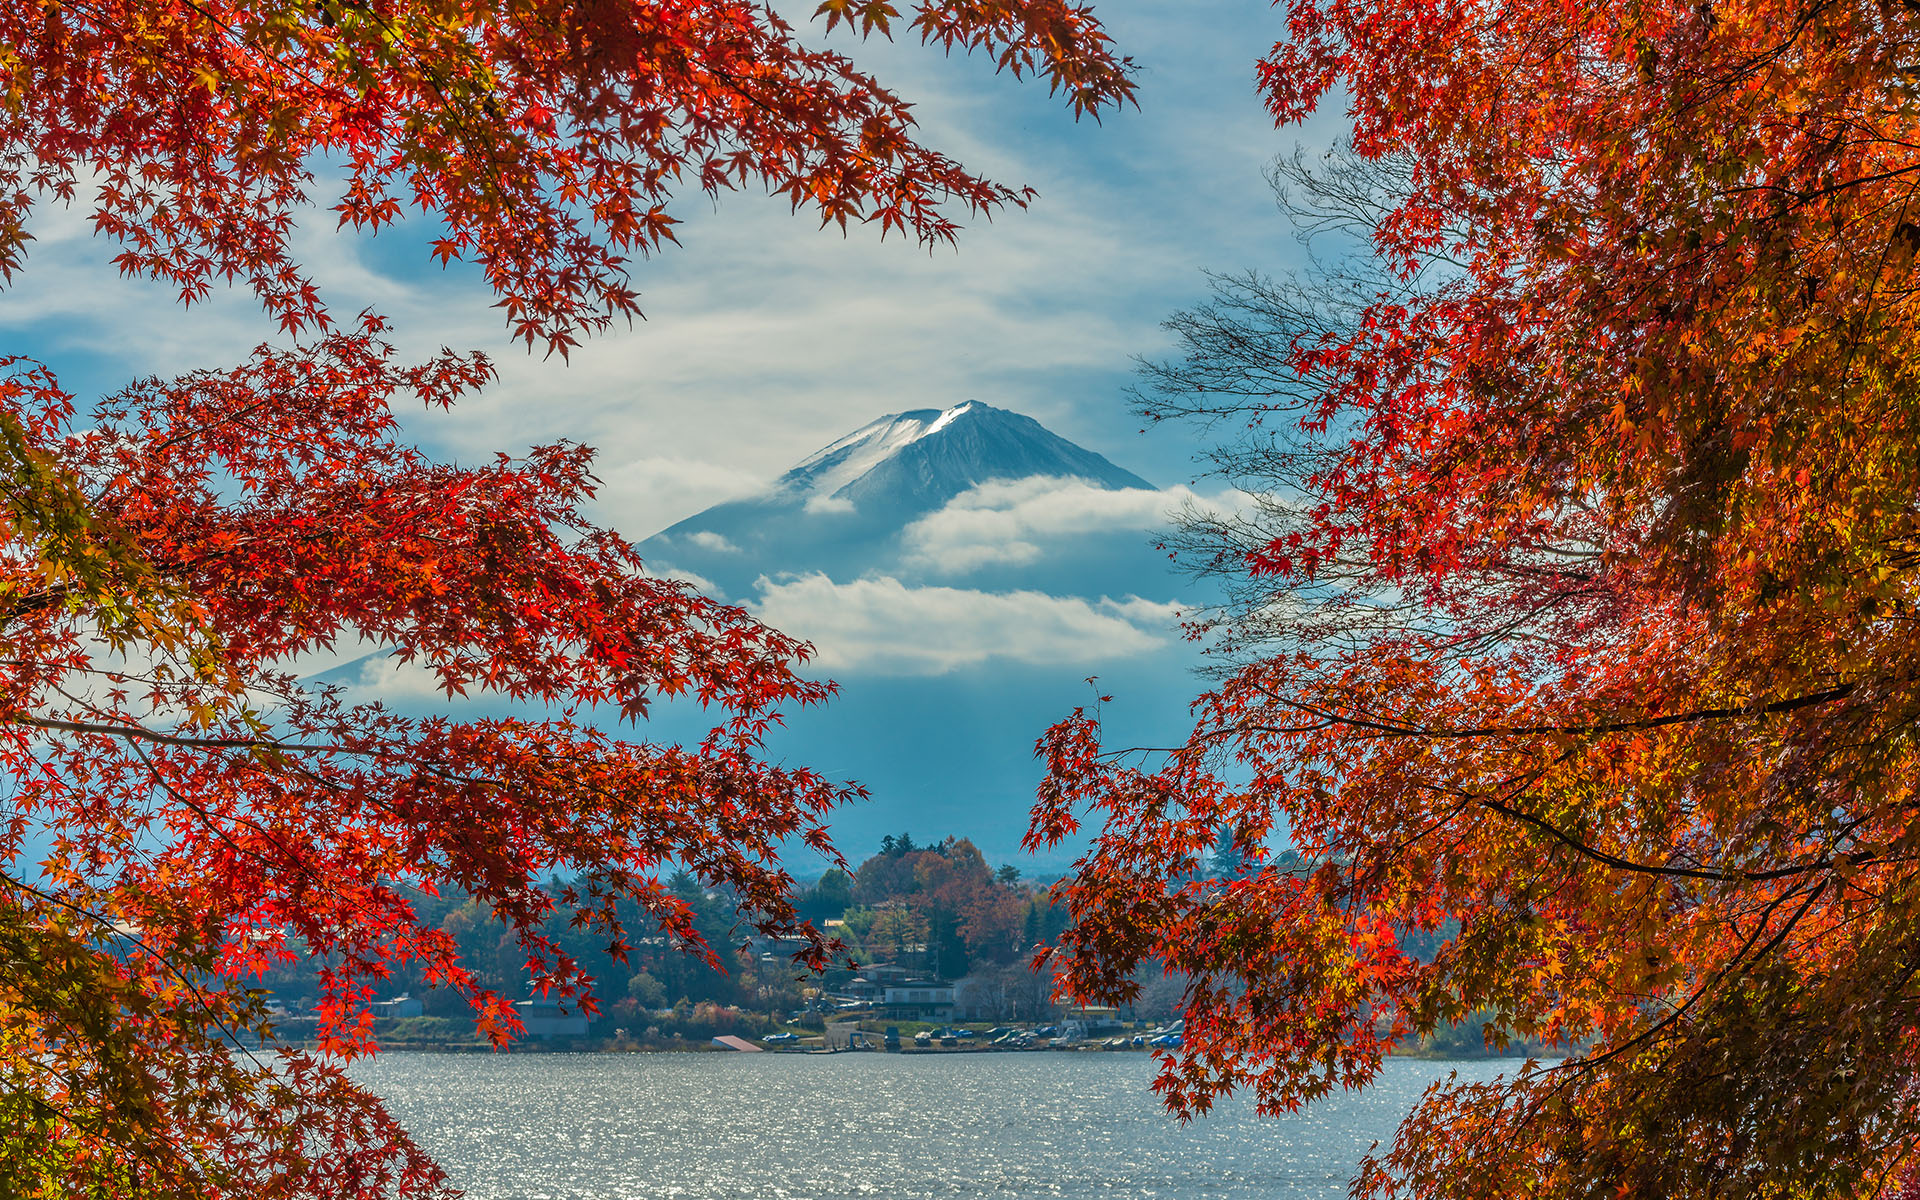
(548, 135)
(171, 548)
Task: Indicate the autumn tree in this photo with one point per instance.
(1573, 630)
(978, 914)
(963, 911)
(897, 929)
(173, 547)
(828, 898)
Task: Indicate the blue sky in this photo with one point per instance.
(767, 337)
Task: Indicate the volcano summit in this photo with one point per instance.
(891, 497)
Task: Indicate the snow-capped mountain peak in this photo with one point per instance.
(845, 508)
(826, 471)
(923, 458)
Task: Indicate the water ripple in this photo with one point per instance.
(839, 1127)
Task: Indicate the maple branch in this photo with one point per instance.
(1644, 723)
(1624, 864)
(298, 863)
(1802, 199)
(1737, 959)
(142, 733)
(34, 602)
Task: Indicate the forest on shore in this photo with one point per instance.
(938, 909)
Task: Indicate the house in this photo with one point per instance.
(545, 1020)
(1090, 1020)
(919, 999)
(402, 1005)
(872, 982)
(788, 945)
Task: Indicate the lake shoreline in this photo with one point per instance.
(589, 1048)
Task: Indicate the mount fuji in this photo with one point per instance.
(924, 458)
(972, 494)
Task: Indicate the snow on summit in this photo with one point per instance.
(826, 471)
(947, 417)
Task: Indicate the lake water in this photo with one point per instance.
(827, 1127)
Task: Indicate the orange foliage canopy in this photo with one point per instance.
(172, 548)
(1576, 633)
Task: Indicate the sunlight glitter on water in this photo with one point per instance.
(799, 1127)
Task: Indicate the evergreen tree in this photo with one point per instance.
(1226, 862)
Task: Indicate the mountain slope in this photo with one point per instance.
(846, 510)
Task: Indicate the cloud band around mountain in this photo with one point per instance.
(882, 626)
(1010, 521)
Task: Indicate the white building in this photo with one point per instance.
(1089, 1021)
(924, 999)
(400, 1006)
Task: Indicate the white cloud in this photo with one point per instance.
(666, 484)
(706, 539)
(390, 679)
(1005, 522)
(1150, 614)
(886, 627)
(829, 504)
(699, 583)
